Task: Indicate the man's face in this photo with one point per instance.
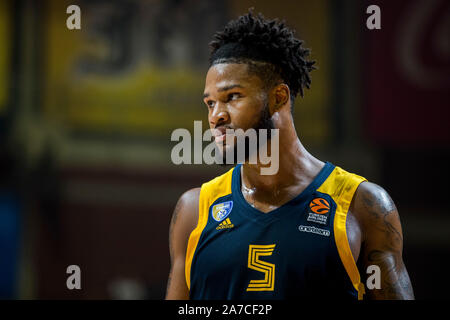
(235, 100)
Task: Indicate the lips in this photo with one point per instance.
(221, 138)
(220, 133)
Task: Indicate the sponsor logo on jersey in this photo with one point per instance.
(320, 208)
(225, 224)
(315, 230)
(221, 210)
(317, 218)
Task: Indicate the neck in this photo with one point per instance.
(296, 166)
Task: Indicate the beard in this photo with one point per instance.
(264, 122)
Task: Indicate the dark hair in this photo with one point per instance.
(268, 47)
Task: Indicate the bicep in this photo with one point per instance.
(382, 245)
(184, 220)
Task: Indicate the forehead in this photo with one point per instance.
(225, 74)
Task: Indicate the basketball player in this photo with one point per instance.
(310, 230)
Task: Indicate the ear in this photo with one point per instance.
(280, 97)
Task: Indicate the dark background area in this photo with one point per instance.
(86, 115)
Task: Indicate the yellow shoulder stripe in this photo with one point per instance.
(210, 192)
(341, 186)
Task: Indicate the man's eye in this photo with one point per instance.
(233, 96)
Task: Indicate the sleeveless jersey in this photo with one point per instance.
(298, 250)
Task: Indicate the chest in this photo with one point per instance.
(354, 232)
(298, 241)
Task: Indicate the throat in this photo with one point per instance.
(267, 193)
(266, 200)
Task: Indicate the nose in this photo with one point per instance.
(219, 115)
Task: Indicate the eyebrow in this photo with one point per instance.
(232, 86)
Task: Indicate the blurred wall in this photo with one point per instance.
(86, 117)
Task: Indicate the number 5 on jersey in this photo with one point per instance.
(254, 252)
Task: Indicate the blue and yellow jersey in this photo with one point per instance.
(300, 249)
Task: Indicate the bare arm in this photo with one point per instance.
(184, 220)
(382, 242)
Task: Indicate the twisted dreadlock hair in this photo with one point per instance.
(268, 47)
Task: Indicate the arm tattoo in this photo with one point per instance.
(387, 253)
(381, 210)
(395, 280)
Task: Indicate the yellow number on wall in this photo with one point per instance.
(254, 252)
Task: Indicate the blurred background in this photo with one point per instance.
(86, 116)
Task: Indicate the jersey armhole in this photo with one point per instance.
(194, 237)
(340, 231)
(209, 192)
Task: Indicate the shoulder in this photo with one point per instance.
(183, 222)
(373, 200)
(190, 197)
(374, 209)
(186, 210)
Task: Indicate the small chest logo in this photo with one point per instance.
(225, 224)
(315, 230)
(320, 208)
(222, 210)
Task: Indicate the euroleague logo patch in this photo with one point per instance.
(320, 208)
(221, 210)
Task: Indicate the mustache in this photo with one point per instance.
(221, 130)
(223, 127)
